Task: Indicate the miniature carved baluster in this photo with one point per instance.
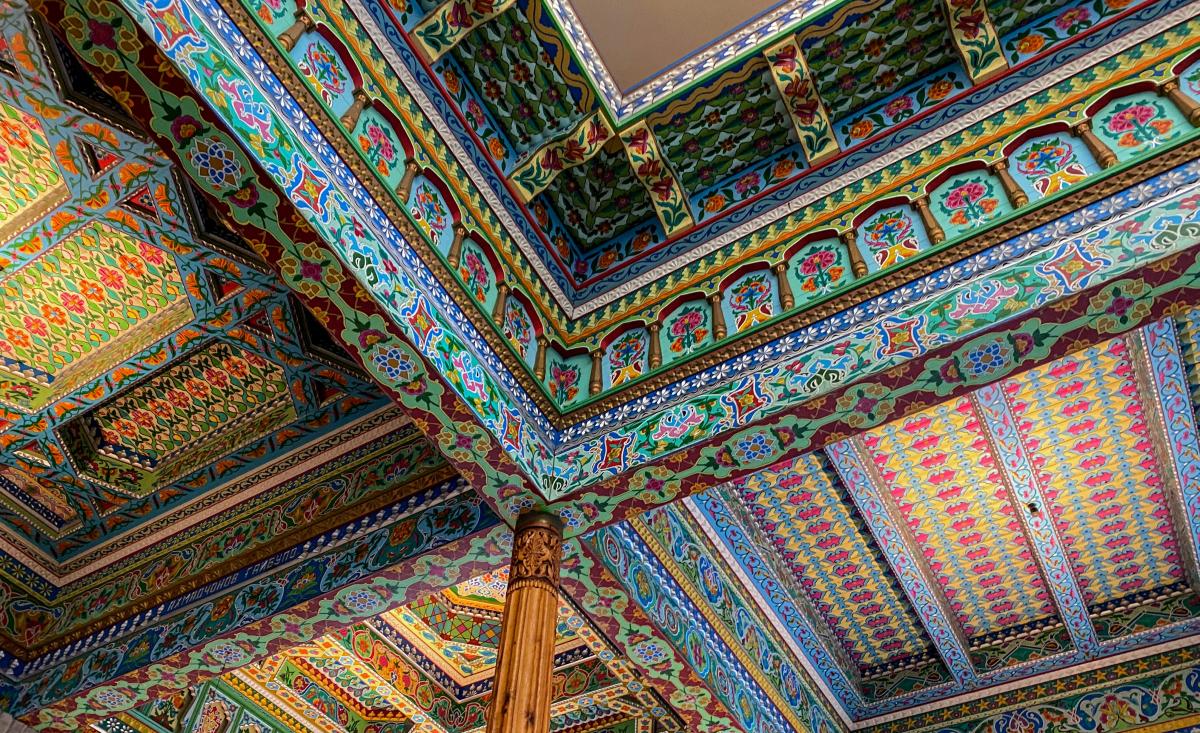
(858, 265)
(1101, 152)
(1187, 106)
(936, 234)
(290, 37)
(718, 317)
(1016, 196)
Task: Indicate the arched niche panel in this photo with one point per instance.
(323, 62)
(966, 197)
(686, 328)
(626, 356)
(383, 144)
(1048, 159)
(567, 376)
(520, 326)
(890, 232)
(480, 273)
(819, 264)
(432, 211)
(1135, 123)
(750, 297)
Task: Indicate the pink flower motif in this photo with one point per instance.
(1071, 18)
(898, 106)
(746, 183)
(816, 262)
(965, 194)
(1127, 119)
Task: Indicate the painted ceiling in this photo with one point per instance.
(1045, 521)
(425, 666)
(888, 416)
(1037, 529)
(169, 413)
(474, 140)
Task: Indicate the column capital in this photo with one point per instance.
(537, 550)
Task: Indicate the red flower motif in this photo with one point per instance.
(36, 326)
(649, 169)
(596, 133)
(551, 160)
(101, 34)
(459, 16)
(785, 60)
(574, 150)
(640, 142)
(72, 302)
(969, 24)
(663, 188)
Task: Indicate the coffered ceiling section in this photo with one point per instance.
(738, 101)
(818, 155)
(168, 412)
(1044, 522)
(145, 355)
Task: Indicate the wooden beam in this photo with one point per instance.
(523, 686)
(975, 38)
(810, 118)
(578, 146)
(650, 167)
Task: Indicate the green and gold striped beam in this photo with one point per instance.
(650, 167)
(809, 116)
(449, 23)
(578, 146)
(975, 38)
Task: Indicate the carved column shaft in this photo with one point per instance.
(718, 317)
(290, 37)
(501, 303)
(1101, 152)
(936, 234)
(411, 167)
(454, 256)
(522, 688)
(597, 381)
(349, 119)
(655, 347)
(539, 362)
(786, 298)
(858, 265)
(1187, 106)
(1012, 189)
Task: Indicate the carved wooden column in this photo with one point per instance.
(454, 256)
(521, 690)
(1187, 106)
(411, 167)
(858, 265)
(1012, 189)
(932, 228)
(1101, 152)
(539, 362)
(350, 118)
(718, 316)
(596, 383)
(655, 346)
(291, 36)
(501, 302)
(786, 298)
